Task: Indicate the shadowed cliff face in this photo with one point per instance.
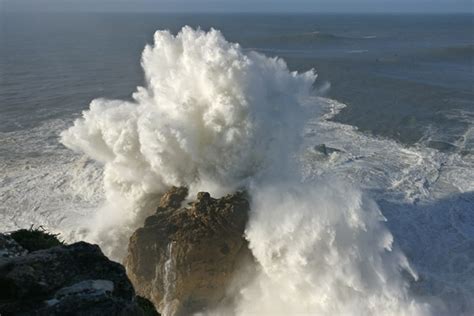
(184, 258)
(72, 279)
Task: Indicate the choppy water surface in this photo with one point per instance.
(394, 117)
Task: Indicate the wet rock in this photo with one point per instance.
(184, 258)
(325, 150)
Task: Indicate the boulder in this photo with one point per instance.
(184, 258)
(72, 279)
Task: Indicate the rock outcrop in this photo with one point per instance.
(184, 258)
(72, 279)
(10, 248)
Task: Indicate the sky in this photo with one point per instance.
(346, 6)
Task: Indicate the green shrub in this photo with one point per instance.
(36, 238)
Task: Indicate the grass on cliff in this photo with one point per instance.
(36, 238)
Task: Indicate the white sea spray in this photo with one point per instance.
(213, 116)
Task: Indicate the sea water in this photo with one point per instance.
(388, 120)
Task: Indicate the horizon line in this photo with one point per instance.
(237, 12)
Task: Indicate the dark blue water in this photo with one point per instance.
(407, 77)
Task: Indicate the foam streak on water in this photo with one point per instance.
(44, 183)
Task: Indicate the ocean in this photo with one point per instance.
(391, 114)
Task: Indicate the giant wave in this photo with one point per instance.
(214, 117)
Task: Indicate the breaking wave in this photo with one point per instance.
(324, 250)
(214, 117)
(210, 117)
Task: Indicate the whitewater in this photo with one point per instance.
(342, 223)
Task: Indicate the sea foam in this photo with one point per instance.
(214, 117)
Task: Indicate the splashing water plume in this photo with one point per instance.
(213, 117)
(323, 250)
